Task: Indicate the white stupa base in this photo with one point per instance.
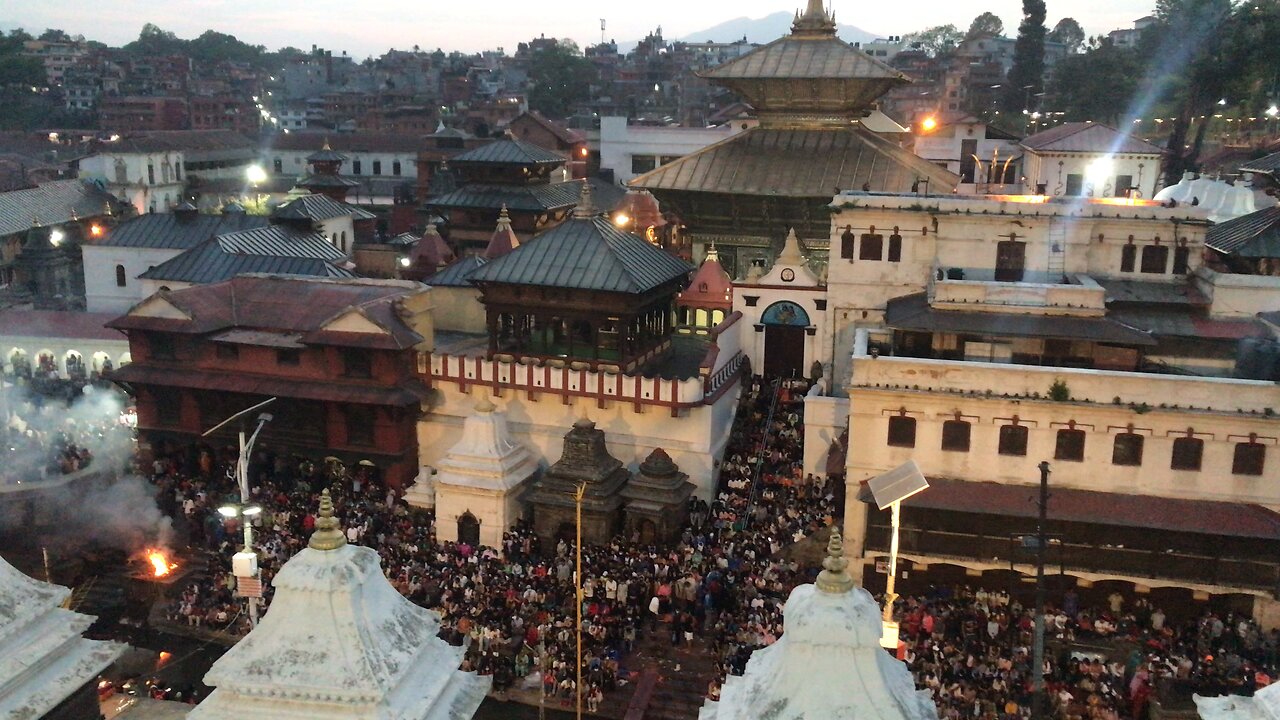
(422, 491)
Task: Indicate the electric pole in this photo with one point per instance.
(1037, 652)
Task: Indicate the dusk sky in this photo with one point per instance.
(373, 26)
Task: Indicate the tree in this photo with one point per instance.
(53, 35)
(1098, 84)
(1069, 33)
(558, 78)
(988, 23)
(937, 40)
(1026, 76)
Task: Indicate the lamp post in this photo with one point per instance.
(888, 491)
(577, 589)
(248, 564)
(1037, 648)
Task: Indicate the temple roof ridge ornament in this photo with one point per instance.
(586, 208)
(815, 21)
(328, 534)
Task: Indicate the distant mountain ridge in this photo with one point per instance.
(766, 29)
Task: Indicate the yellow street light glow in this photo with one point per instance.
(255, 174)
(929, 124)
(621, 219)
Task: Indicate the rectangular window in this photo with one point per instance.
(357, 363)
(395, 168)
(377, 167)
(177, 172)
(1128, 257)
(1187, 453)
(895, 248)
(151, 174)
(846, 244)
(1124, 183)
(1075, 185)
(288, 357)
(643, 163)
(359, 421)
(872, 247)
(277, 166)
(1127, 449)
(356, 167)
(1155, 258)
(902, 431)
(161, 347)
(955, 435)
(1249, 458)
(226, 352)
(1013, 440)
(1070, 446)
(1181, 260)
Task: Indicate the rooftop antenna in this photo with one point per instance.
(601, 31)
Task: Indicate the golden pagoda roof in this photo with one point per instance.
(808, 163)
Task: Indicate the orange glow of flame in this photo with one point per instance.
(160, 565)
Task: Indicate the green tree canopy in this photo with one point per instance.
(1069, 33)
(937, 40)
(1098, 84)
(1026, 76)
(988, 23)
(559, 77)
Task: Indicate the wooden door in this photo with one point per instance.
(784, 351)
(1011, 260)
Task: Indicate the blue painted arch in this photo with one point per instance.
(785, 312)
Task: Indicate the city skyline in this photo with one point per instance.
(390, 24)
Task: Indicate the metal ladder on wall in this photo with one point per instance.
(1057, 265)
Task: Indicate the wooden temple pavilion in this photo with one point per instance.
(810, 91)
(584, 291)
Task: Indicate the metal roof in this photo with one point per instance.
(1256, 235)
(271, 249)
(527, 198)
(586, 254)
(798, 163)
(173, 231)
(457, 273)
(321, 180)
(318, 207)
(356, 142)
(1269, 164)
(913, 312)
(1155, 293)
(803, 58)
(52, 203)
(510, 152)
(1084, 137)
(1181, 322)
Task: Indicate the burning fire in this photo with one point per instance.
(160, 565)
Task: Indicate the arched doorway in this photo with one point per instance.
(102, 362)
(648, 532)
(75, 365)
(468, 529)
(46, 363)
(18, 363)
(784, 328)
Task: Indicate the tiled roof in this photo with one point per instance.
(318, 207)
(53, 203)
(1088, 138)
(586, 254)
(563, 134)
(458, 273)
(510, 152)
(175, 232)
(57, 324)
(178, 140)
(411, 392)
(283, 304)
(270, 249)
(798, 163)
(1269, 164)
(912, 312)
(349, 142)
(1256, 235)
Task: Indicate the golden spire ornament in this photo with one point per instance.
(833, 578)
(328, 534)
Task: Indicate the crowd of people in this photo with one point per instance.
(722, 586)
(973, 650)
(40, 434)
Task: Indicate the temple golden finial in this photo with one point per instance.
(712, 253)
(326, 144)
(833, 578)
(815, 21)
(504, 218)
(586, 208)
(328, 534)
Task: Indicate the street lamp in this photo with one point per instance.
(245, 563)
(256, 175)
(888, 491)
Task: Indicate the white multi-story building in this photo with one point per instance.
(378, 161)
(631, 150)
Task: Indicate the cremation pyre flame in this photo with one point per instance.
(160, 565)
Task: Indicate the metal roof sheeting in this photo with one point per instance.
(510, 152)
(173, 231)
(586, 254)
(1268, 164)
(457, 273)
(527, 198)
(271, 249)
(790, 57)
(1086, 137)
(318, 207)
(798, 163)
(52, 203)
(1256, 235)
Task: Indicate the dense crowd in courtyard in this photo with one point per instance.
(40, 438)
(722, 585)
